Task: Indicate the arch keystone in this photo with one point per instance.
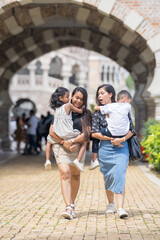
(30, 44)
(2, 70)
(11, 54)
(24, 2)
(36, 16)
(82, 14)
(122, 53)
(154, 43)
(106, 25)
(12, 26)
(133, 20)
(85, 35)
(48, 36)
(1, 11)
(139, 67)
(106, 6)
(147, 56)
(77, 1)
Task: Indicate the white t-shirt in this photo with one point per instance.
(33, 121)
(118, 121)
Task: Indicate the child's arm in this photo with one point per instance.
(104, 109)
(70, 106)
(97, 108)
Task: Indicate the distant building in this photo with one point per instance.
(33, 85)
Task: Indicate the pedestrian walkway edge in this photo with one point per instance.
(147, 172)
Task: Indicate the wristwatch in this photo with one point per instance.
(72, 140)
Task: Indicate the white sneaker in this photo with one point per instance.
(47, 165)
(94, 164)
(122, 213)
(110, 208)
(73, 210)
(67, 213)
(78, 165)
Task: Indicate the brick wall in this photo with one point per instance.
(147, 8)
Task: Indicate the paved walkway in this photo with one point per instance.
(31, 205)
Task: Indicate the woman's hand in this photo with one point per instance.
(67, 144)
(117, 142)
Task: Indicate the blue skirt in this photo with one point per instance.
(113, 165)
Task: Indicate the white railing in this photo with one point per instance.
(22, 83)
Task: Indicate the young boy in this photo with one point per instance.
(118, 121)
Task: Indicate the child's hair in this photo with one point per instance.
(55, 102)
(122, 94)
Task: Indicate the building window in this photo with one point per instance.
(108, 73)
(56, 68)
(74, 79)
(38, 70)
(102, 74)
(24, 71)
(113, 74)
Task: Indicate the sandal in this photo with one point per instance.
(68, 213)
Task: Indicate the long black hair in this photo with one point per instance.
(54, 100)
(86, 118)
(84, 93)
(108, 88)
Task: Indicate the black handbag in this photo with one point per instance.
(134, 149)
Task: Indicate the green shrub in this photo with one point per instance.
(145, 130)
(151, 145)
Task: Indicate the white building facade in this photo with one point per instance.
(68, 67)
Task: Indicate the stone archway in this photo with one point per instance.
(31, 28)
(23, 105)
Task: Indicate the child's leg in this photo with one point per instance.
(106, 132)
(48, 150)
(95, 147)
(48, 154)
(82, 150)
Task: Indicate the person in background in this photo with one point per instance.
(31, 133)
(19, 133)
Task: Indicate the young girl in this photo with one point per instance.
(63, 124)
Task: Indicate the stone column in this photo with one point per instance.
(32, 79)
(150, 103)
(82, 79)
(140, 107)
(5, 104)
(45, 69)
(66, 74)
(154, 86)
(157, 108)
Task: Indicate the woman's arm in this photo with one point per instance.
(117, 141)
(79, 139)
(54, 135)
(99, 136)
